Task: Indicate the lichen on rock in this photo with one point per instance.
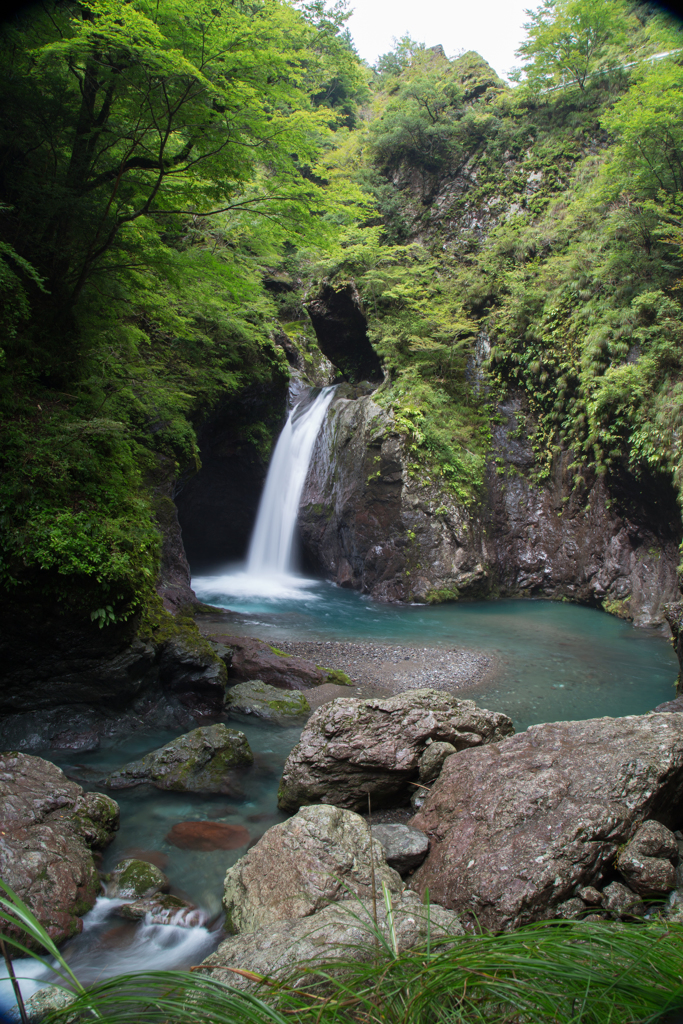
(267, 702)
(353, 748)
(198, 762)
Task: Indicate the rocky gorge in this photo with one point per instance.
(561, 821)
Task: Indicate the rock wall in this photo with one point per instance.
(368, 524)
(217, 505)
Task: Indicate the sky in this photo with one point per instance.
(491, 27)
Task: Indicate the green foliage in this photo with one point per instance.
(156, 160)
(568, 40)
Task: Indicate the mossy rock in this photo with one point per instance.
(268, 702)
(136, 879)
(198, 762)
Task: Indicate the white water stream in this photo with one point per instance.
(270, 570)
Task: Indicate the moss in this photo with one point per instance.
(337, 677)
(622, 609)
(439, 596)
(282, 654)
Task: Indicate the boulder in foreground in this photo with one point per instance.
(48, 828)
(340, 931)
(198, 762)
(351, 748)
(301, 865)
(518, 827)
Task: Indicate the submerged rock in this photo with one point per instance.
(404, 846)
(646, 860)
(351, 747)
(136, 879)
(301, 865)
(268, 702)
(519, 826)
(48, 828)
(198, 762)
(208, 835)
(344, 930)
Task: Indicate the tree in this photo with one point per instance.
(117, 112)
(568, 40)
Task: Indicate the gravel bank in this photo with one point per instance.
(374, 668)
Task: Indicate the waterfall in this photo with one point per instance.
(269, 571)
(270, 550)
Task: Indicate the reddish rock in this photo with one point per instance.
(48, 828)
(518, 827)
(254, 659)
(156, 857)
(208, 835)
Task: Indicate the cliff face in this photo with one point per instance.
(371, 525)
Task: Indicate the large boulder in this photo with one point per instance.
(342, 930)
(301, 865)
(268, 702)
(255, 659)
(198, 762)
(351, 747)
(517, 827)
(48, 829)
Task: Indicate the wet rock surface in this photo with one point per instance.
(298, 867)
(208, 835)
(48, 829)
(352, 748)
(339, 931)
(404, 846)
(162, 909)
(198, 762)
(267, 702)
(136, 879)
(518, 826)
(646, 862)
(368, 523)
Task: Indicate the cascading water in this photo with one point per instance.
(270, 571)
(270, 550)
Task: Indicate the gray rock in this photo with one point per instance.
(431, 761)
(47, 999)
(570, 908)
(373, 523)
(621, 901)
(590, 895)
(48, 828)
(343, 930)
(268, 702)
(136, 879)
(198, 762)
(645, 861)
(518, 826)
(351, 748)
(301, 865)
(404, 847)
